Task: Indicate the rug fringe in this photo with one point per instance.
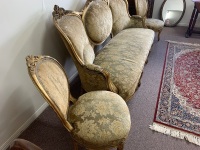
(175, 133)
(194, 44)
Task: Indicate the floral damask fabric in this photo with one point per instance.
(121, 18)
(73, 28)
(141, 7)
(98, 21)
(52, 78)
(124, 58)
(100, 119)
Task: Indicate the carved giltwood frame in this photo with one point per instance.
(57, 14)
(32, 62)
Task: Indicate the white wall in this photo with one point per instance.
(26, 28)
(186, 18)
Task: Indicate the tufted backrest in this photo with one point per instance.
(120, 15)
(50, 78)
(97, 19)
(74, 35)
(141, 7)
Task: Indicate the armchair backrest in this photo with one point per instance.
(121, 17)
(72, 31)
(50, 79)
(141, 7)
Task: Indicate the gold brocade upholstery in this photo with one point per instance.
(73, 28)
(130, 45)
(97, 120)
(100, 119)
(121, 17)
(154, 24)
(124, 58)
(97, 19)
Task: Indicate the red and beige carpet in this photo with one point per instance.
(178, 106)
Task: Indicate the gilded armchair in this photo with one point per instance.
(97, 120)
(151, 23)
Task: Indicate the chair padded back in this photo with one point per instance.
(120, 15)
(50, 78)
(72, 29)
(141, 7)
(97, 18)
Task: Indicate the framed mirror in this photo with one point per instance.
(172, 11)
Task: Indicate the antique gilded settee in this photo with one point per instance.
(119, 64)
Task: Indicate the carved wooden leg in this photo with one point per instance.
(139, 83)
(82, 91)
(146, 61)
(120, 146)
(159, 35)
(75, 145)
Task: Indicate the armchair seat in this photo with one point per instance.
(123, 58)
(154, 24)
(100, 119)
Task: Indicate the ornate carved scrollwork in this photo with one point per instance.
(59, 12)
(31, 62)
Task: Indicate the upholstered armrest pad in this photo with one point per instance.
(94, 67)
(136, 21)
(136, 17)
(100, 76)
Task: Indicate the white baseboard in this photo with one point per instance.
(187, 24)
(183, 24)
(24, 126)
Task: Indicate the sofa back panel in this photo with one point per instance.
(141, 7)
(120, 15)
(74, 32)
(97, 18)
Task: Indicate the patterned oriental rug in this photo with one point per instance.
(178, 106)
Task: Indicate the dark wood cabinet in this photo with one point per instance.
(132, 10)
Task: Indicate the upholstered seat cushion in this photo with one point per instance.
(124, 58)
(154, 24)
(100, 118)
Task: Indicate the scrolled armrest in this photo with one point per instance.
(136, 21)
(94, 67)
(97, 78)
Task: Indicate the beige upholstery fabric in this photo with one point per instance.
(97, 19)
(121, 18)
(154, 24)
(141, 7)
(100, 118)
(52, 78)
(72, 27)
(124, 58)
